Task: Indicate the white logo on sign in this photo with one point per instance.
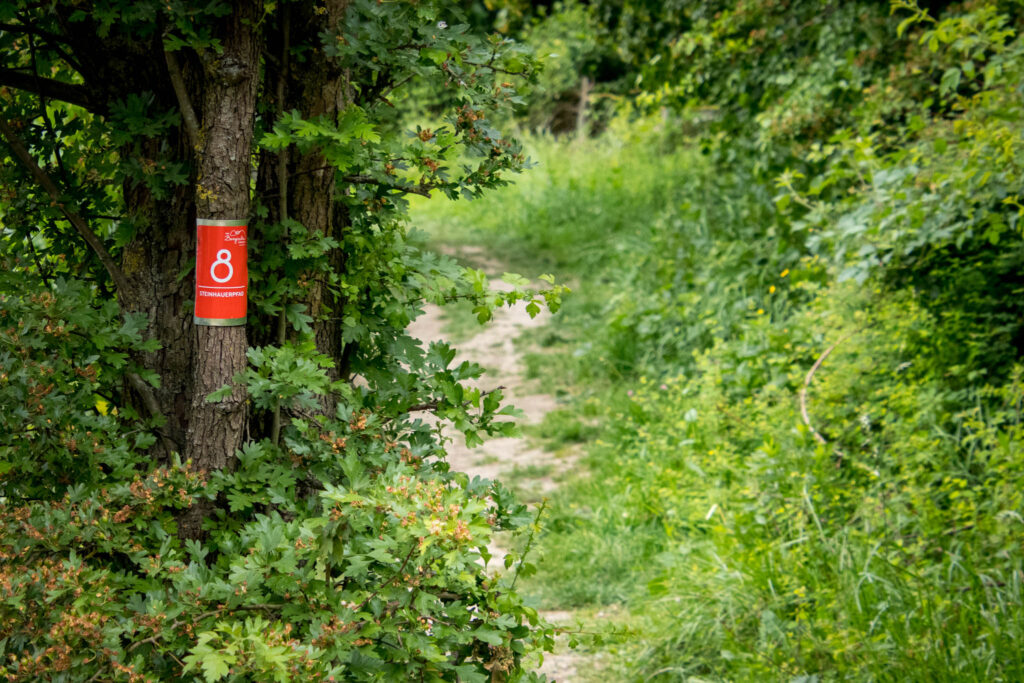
(236, 236)
(223, 258)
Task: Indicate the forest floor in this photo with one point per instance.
(516, 461)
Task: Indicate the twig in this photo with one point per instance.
(39, 266)
(29, 30)
(188, 114)
(152, 640)
(48, 87)
(424, 189)
(496, 69)
(807, 383)
(153, 406)
(803, 393)
(45, 116)
(529, 543)
(732, 416)
(391, 88)
(387, 583)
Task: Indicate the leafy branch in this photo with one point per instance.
(434, 405)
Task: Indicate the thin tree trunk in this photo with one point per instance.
(323, 88)
(581, 108)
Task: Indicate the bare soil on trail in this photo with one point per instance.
(495, 348)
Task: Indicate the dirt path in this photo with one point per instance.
(494, 347)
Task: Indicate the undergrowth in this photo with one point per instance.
(886, 547)
(795, 351)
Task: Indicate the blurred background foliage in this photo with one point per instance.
(793, 358)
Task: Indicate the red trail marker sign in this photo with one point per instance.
(222, 273)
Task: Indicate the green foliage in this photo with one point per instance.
(796, 357)
(377, 573)
(776, 553)
(60, 357)
(570, 43)
(350, 548)
(842, 261)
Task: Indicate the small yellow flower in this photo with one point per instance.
(771, 290)
(760, 311)
(784, 273)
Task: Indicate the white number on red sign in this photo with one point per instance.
(223, 259)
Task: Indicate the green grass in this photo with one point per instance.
(743, 548)
(561, 216)
(564, 427)
(521, 477)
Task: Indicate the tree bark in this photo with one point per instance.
(322, 87)
(215, 429)
(316, 87)
(156, 260)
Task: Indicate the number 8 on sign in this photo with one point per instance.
(222, 275)
(223, 259)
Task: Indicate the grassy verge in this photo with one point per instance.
(757, 520)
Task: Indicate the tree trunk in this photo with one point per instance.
(581, 108)
(154, 263)
(320, 89)
(224, 149)
(316, 87)
(157, 259)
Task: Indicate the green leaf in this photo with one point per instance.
(220, 394)
(216, 666)
(434, 54)
(489, 636)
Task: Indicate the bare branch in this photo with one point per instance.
(188, 114)
(29, 30)
(50, 88)
(153, 406)
(807, 383)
